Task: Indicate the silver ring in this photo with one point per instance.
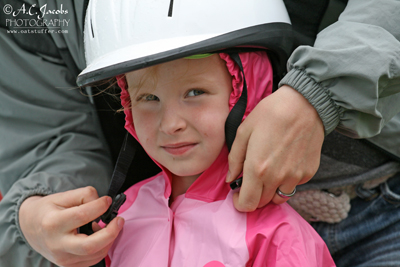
(283, 195)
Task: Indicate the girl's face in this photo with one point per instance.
(179, 111)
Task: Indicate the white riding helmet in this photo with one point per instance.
(125, 35)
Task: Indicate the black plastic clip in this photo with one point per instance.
(237, 183)
(112, 211)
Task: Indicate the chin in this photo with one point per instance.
(183, 174)
(192, 172)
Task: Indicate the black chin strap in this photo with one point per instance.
(124, 161)
(236, 115)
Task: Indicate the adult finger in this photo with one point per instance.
(237, 154)
(75, 197)
(286, 188)
(248, 198)
(75, 217)
(267, 195)
(86, 245)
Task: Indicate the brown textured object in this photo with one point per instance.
(316, 205)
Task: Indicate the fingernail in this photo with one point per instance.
(228, 177)
(109, 201)
(120, 222)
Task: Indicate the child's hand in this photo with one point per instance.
(277, 146)
(50, 224)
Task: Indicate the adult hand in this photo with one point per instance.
(50, 224)
(278, 145)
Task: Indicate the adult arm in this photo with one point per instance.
(50, 142)
(352, 74)
(350, 77)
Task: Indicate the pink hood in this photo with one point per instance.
(258, 72)
(202, 228)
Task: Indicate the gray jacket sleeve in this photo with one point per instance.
(50, 141)
(352, 74)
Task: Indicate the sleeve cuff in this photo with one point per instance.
(318, 96)
(35, 192)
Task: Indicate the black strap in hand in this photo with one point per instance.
(124, 161)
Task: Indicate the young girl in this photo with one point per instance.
(184, 216)
(190, 72)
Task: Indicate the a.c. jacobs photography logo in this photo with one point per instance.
(34, 19)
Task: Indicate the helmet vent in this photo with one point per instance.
(171, 7)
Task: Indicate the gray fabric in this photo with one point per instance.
(352, 74)
(352, 77)
(50, 138)
(357, 152)
(344, 160)
(389, 137)
(334, 182)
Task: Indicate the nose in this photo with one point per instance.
(172, 120)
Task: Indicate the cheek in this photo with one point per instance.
(143, 135)
(144, 127)
(213, 124)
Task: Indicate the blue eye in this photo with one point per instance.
(148, 97)
(195, 92)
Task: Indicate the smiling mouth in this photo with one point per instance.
(178, 149)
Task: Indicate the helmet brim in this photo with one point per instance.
(276, 37)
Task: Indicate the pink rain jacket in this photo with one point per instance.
(202, 227)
